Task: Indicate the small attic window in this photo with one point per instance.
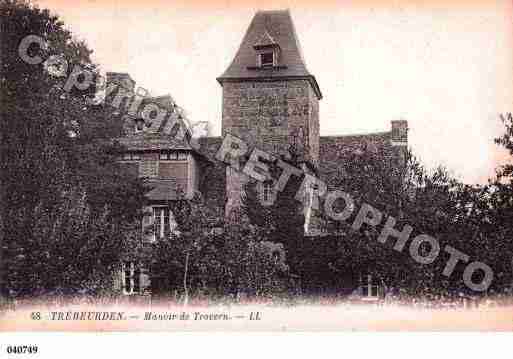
(139, 125)
(267, 59)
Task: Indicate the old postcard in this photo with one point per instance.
(254, 166)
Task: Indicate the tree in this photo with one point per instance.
(280, 220)
(431, 202)
(500, 210)
(206, 257)
(68, 210)
(470, 218)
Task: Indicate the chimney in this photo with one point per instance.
(120, 89)
(120, 79)
(399, 132)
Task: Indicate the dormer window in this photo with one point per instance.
(267, 59)
(139, 125)
(267, 51)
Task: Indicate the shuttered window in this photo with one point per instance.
(173, 170)
(148, 169)
(132, 168)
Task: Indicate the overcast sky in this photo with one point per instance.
(445, 66)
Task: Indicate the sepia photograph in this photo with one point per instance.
(255, 166)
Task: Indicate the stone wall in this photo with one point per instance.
(266, 114)
(335, 151)
(270, 115)
(314, 127)
(212, 175)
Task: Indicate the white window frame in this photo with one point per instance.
(368, 288)
(173, 156)
(267, 192)
(172, 222)
(136, 127)
(261, 54)
(131, 157)
(132, 278)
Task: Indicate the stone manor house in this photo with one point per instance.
(271, 101)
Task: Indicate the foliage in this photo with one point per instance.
(219, 260)
(280, 221)
(470, 218)
(68, 211)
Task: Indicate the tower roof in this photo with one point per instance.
(272, 27)
(264, 40)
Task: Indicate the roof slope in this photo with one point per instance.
(153, 141)
(336, 150)
(165, 190)
(278, 26)
(161, 133)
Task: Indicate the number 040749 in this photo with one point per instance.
(21, 349)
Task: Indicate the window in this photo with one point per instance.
(374, 290)
(131, 276)
(131, 168)
(266, 193)
(173, 156)
(177, 171)
(267, 59)
(139, 125)
(163, 222)
(131, 156)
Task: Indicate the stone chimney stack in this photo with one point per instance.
(120, 79)
(399, 132)
(118, 92)
(119, 87)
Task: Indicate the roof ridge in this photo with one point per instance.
(359, 134)
(161, 96)
(275, 11)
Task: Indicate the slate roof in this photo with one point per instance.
(209, 146)
(279, 27)
(157, 134)
(166, 101)
(265, 40)
(335, 150)
(164, 190)
(153, 141)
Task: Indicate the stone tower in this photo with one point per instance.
(270, 100)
